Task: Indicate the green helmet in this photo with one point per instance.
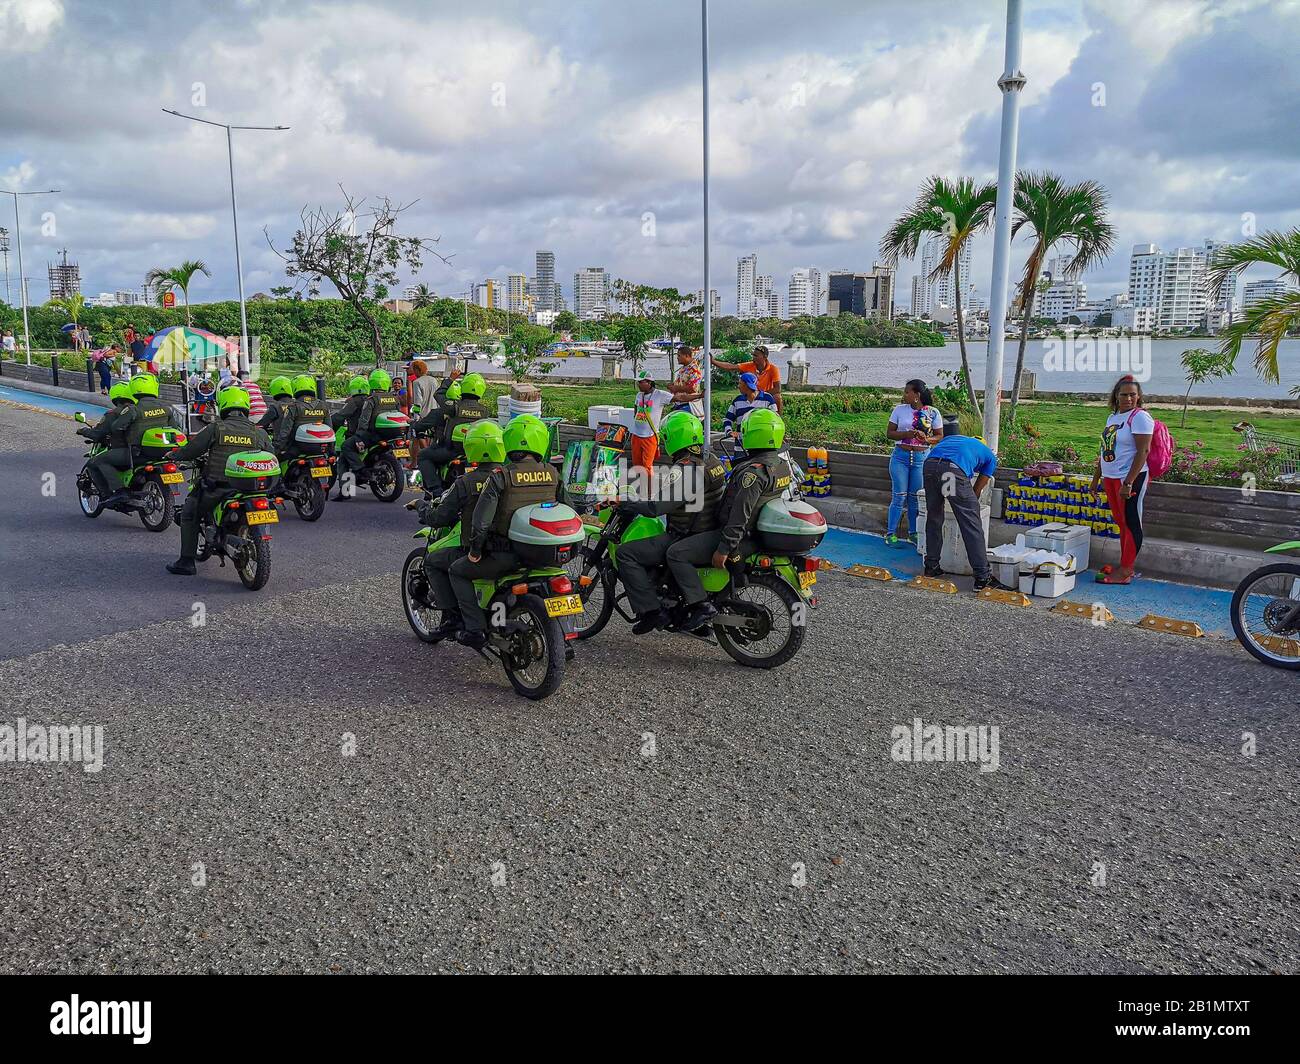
(485, 442)
(453, 390)
(280, 386)
(380, 381)
(680, 430)
(144, 384)
(473, 384)
(762, 430)
(232, 398)
(527, 433)
(358, 386)
(304, 382)
(121, 390)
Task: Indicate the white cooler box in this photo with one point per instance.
(1004, 561)
(1046, 574)
(620, 415)
(1073, 540)
(952, 557)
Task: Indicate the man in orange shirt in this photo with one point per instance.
(769, 377)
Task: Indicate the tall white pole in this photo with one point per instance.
(1012, 82)
(22, 281)
(239, 266)
(708, 307)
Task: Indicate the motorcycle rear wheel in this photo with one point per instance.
(541, 642)
(157, 514)
(387, 479)
(1258, 598)
(253, 560)
(309, 500)
(783, 636)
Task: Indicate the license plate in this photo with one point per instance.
(322, 471)
(401, 452)
(173, 478)
(262, 517)
(807, 580)
(563, 605)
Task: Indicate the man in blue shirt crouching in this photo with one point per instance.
(946, 474)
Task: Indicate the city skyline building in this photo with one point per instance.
(544, 272)
(591, 292)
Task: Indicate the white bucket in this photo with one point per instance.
(523, 406)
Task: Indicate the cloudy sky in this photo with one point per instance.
(561, 125)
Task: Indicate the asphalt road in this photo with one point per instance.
(473, 831)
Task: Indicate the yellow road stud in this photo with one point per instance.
(932, 583)
(1279, 645)
(1172, 625)
(1093, 611)
(1011, 598)
(870, 572)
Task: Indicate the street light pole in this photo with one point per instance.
(22, 281)
(708, 300)
(1012, 83)
(4, 250)
(234, 216)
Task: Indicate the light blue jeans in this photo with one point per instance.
(905, 475)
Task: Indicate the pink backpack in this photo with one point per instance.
(1161, 455)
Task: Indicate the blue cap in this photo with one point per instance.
(749, 380)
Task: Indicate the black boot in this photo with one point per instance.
(472, 638)
(452, 623)
(651, 622)
(699, 615)
(183, 567)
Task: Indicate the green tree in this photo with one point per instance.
(1200, 366)
(72, 306)
(565, 321)
(1054, 212)
(1270, 319)
(169, 278)
(422, 297)
(956, 211)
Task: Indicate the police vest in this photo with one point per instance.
(472, 484)
(115, 437)
(378, 403)
(770, 468)
(528, 481)
(149, 414)
(310, 412)
(706, 481)
(230, 436)
(468, 410)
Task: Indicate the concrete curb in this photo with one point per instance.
(72, 394)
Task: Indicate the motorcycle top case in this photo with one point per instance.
(317, 434)
(247, 466)
(161, 440)
(543, 534)
(790, 526)
(392, 425)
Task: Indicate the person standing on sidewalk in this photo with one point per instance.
(1122, 468)
(947, 474)
(648, 411)
(914, 426)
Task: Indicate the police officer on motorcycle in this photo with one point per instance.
(113, 436)
(349, 416)
(277, 422)
(760, 478)
(467, 408)
(525, 479)
(233, 432)
(485, 451)
(306, 409)
(688, 494)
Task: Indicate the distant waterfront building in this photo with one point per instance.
(805, 291)
(591, 292)
(746, 275)
(557, 299)
(516, 289)
(863, 294)
(715, 302)
(65, 278)
(545, 274)
(1173, 285)
(1255, 291)
(928, 295)
(1063, 299)
(488, 294)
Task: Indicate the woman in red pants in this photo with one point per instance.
(1122, 468)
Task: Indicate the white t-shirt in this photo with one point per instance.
(649, 409)
(1118, 448)
(9, 343)
(904, 417)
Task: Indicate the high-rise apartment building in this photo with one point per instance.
(1173, 285)
(746, 275)
(715, 302)
(591, 292)
(545, 274)
(65, 278)
(928, 295)
(1255, 291)
(488, 294)
(516, 289)
(864, 294)
(1062, 299)
(804, 297)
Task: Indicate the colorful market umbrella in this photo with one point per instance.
(182, 347)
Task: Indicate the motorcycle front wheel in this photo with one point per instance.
(1265, 614)
(420, 614)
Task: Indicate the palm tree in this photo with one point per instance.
(421, 297)
(168, 278)
(1269, 319)
(71, 305)
(1055, 212)
(956, 211)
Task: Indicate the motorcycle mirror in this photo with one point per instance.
(79, 416)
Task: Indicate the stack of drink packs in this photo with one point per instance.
(1070, 499)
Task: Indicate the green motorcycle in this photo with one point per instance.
(762, 597)
(530, 611)
(381, 463)
(1265, 611)
(152, 486)
(235, 526)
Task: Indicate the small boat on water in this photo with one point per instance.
(772, 346)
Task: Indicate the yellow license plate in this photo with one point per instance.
(807, 580)
(563, 605)
(262, 517)
(320, 471)
(401, 452)
(173, 478)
